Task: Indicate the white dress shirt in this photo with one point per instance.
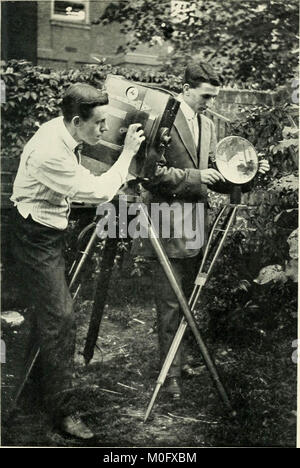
(191, 118)
(49, 176)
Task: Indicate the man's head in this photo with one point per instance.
(201, 86)
(84, 109)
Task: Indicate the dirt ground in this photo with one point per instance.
(115, 389)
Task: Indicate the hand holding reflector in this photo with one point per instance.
(236, 159)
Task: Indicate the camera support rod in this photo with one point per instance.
(100, 297)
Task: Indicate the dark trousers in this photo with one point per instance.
(38, 251)
(168, 310)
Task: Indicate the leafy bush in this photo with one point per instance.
(260, 237)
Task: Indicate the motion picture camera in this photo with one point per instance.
(130, 102)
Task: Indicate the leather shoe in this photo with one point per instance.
(74, 426)
(173, 387)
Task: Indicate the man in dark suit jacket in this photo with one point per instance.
(181, 180)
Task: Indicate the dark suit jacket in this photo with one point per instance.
(177, 179)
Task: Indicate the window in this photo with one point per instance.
(75, 11)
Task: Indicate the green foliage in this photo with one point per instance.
(266, 128)
(260, 237)
(252, 42)
(269, 130)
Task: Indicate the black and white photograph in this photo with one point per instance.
(149, 226)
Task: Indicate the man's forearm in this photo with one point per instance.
(122, 164)
(97, 189)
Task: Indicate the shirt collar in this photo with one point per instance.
(66, 135)
(188, 112)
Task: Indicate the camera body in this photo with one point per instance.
(131, 102)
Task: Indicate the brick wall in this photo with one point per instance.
(63, 44)
(228, 103)
(229, 100)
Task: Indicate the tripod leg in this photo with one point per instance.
(167, 364)
(85, 253)
(199, 283)
(34, 353)
(165, 263)
(100, 297)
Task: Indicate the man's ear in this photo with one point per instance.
(186, 87)
(76, 121)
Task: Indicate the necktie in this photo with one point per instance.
(195, 129)
(198, 142)
(77, 152)
(198, 117)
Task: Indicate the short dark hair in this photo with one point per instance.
(201, 72)
(80, 99)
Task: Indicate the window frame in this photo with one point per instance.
(69, 19)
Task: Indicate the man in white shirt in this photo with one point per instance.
(49, 176)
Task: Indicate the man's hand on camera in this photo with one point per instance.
(210, 176)
(133, 140)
